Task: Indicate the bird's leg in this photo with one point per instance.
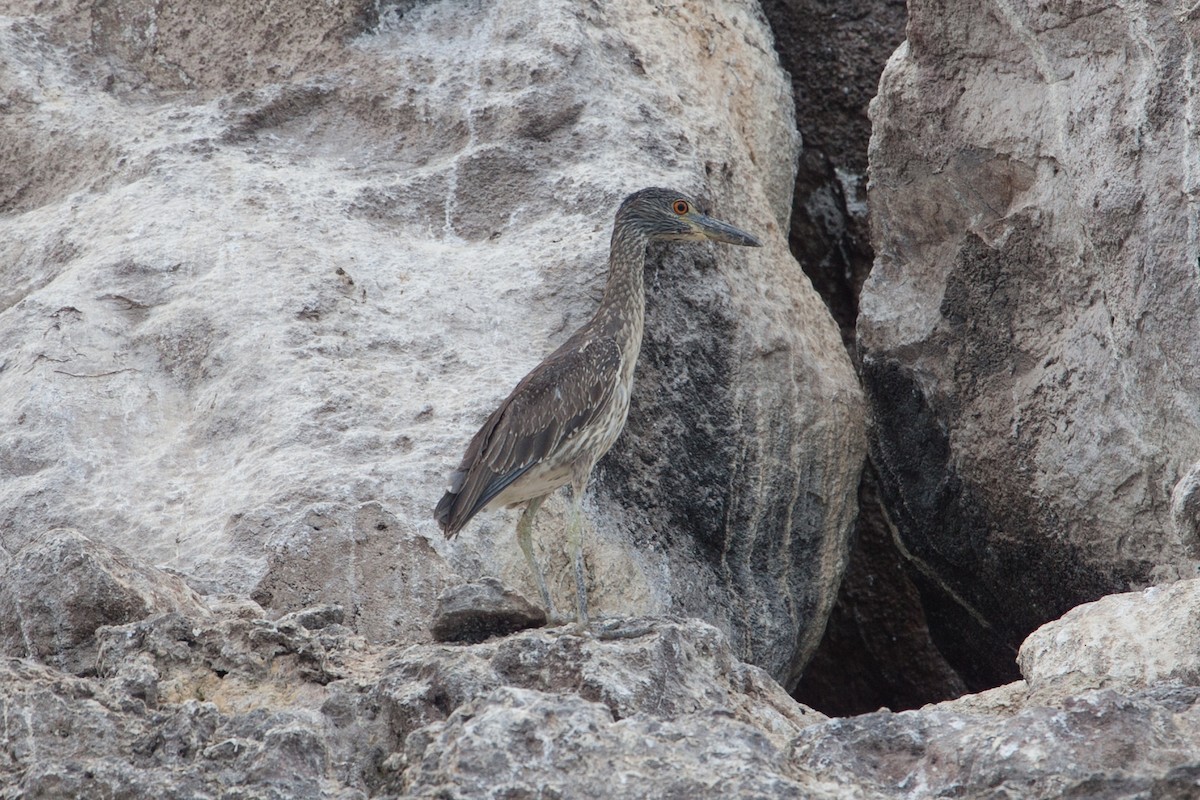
(575, 523)
(525, 539)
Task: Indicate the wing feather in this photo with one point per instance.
(559, 397)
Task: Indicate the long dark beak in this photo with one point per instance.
(722, 231)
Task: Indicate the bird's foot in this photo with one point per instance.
(556, 619)
(570, 622)
(614, 628)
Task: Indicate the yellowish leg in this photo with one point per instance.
(575, 524)
(525, 539)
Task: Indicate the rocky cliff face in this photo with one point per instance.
(217, 698)
(877, 649)
(1029, 331)
(265, 276)
(264, 272)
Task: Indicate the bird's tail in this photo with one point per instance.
(449, 521)
(443, 513)
(469, 493)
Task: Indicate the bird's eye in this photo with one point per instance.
(680, 207)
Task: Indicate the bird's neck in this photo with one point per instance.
(623, 307)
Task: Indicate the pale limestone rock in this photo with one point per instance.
(230, 702)
(664, 668)
(263, 277)
(1029, 332)
(1124, 640)
(524, 743)
(61, 587)
(1140, 743)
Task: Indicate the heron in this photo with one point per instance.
(569, 410)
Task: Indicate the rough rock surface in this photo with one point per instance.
(475, 611)
(1029, 333)
(877, 649)
(229, 703)
(1133, 639)
(265, 273)
(61, 587)
(522, 743)
(1110, 707)
(1103, 743)
(222, 701)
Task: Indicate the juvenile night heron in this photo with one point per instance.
(565, 414)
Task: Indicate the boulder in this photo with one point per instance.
(524, 743)
(659, 667)
(233, 703)
(301, 707)
(480, 609)
(1134, 639)
(1029, 332)
(153, 714)
(1101, 743)
(265, 275)
(58, 590)
(1109, 707)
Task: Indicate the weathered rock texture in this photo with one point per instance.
(1104, 743)
(220, 700)
(479, 610)
(1110, 707)
(1030, 336)
(60, 588)
(1132, 639)
(265, 271)
(877, 650)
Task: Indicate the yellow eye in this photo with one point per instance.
(680, 207)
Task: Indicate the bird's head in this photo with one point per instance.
(668, 214)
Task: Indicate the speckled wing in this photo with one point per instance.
(550, 405)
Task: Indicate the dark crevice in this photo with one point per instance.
(926, 620)
(835, 53)
(878, 650)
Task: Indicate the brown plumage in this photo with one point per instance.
(565, 414)
(545, 412)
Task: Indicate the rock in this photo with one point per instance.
(265, 277)
(239, 660)
(664, 668)
(877, 651)
(524, 743)
(1143, 743)
(1110, 707)
(1029, 329)
(300, 707)
(643, 708)
(60, 588)
(362, 559)
(478, 610)
(1135, 639)
(230, 703)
